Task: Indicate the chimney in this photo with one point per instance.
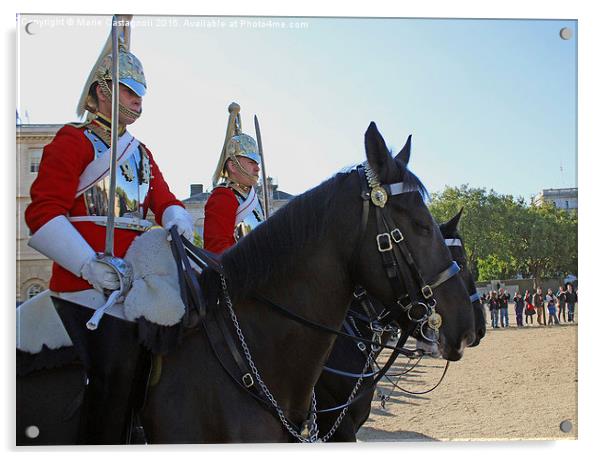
(195, 189)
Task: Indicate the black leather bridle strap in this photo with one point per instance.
(445, 275)
(425, 287)
(365, 196)
(202, 257)
(321, 327)
(192, 295)
(391, 263)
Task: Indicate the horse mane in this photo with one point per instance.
(273, 247)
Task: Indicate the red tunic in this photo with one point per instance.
(220, 217)
(53, 194)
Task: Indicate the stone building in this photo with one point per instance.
(562, 198)
(33, 269)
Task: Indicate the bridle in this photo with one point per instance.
(413, 295)
(457, 242)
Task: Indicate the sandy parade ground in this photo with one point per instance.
(519, 383)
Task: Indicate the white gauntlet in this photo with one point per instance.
(101, 276)
(178, 216)
(58, 240)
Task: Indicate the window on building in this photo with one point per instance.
(34, 161)
(34, 290)
(567, 204)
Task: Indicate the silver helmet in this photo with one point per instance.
(131, 72)
(236, 144)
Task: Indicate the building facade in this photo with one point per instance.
(33, 269)
(562, 198)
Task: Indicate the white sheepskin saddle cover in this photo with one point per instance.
(154, 295)
(155, 292)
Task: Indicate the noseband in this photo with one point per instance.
(413, 295)
(457, 242)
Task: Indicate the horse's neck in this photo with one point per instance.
(291, 354)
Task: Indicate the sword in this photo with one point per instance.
(266, 203)
(109, 246)
(122, 268)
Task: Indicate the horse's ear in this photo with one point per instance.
(449, 229)
(379, 157)
(452, 224)
(404, 153)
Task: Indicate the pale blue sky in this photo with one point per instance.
(491, 103)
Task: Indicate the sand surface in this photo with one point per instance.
(519, 383)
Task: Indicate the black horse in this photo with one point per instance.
(454, 242)
(307, 257)
(332, 389)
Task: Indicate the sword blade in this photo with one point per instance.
(266, 203)
(110, 231)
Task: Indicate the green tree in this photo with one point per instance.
(485, 223)
(504, 236)
(551, 243)
(197, 240)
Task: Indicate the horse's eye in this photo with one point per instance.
(425, 229)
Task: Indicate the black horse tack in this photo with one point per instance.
(334, 384)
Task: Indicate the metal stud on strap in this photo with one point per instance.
(397, 235)
(383, 241)
(427, 292)
(247, 380)
(359, 292)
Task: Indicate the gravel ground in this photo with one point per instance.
(519, 383)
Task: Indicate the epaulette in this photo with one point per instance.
(143, 150)
(233, 187)
(79, 124)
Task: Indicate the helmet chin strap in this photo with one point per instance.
(104, 87)
(242, 170)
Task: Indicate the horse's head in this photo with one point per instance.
(453, 240)
(403, 258)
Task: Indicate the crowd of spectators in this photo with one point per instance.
(551, 308)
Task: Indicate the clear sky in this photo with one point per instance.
(491, 103)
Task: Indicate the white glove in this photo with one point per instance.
(178, 216)
(100, 276)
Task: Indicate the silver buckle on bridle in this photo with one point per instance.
(387, 238)
(427, 292)
(397, 235)
(247, 380)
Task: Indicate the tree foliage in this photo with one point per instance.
(505, 237)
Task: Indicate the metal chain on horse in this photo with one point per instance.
(313, 428)
(258, 378)
(357, 386)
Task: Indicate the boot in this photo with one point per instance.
(111, 357)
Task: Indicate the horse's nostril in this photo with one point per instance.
(469, 338)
